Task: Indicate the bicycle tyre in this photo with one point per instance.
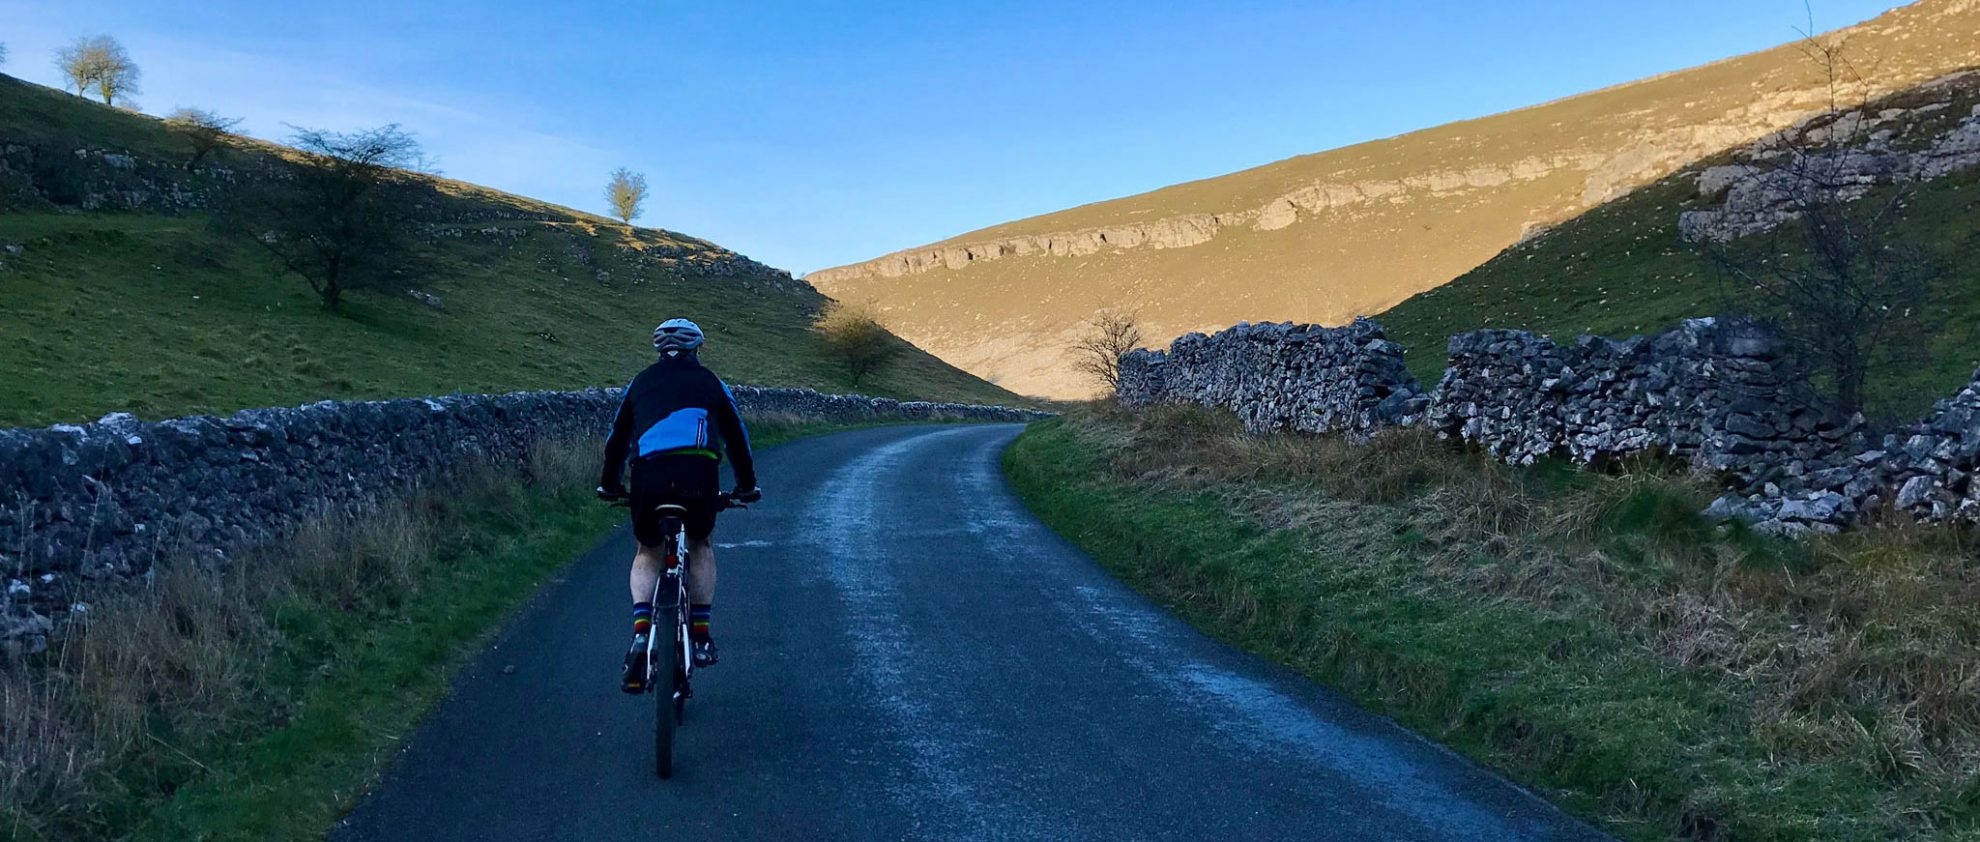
(666, 678)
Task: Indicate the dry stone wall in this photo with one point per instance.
(1720, 395)
(1924, 470)
(110, 500)
(1303, 378)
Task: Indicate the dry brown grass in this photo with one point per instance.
(187, 654)
(1861, 649)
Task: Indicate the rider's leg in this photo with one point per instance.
(700, 586)
(644, 577)
(645, 574)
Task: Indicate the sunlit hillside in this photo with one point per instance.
(1353, 231)
(116, 293)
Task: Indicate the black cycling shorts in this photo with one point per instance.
(690, 480)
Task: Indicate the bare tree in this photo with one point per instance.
(118, 81)
(3, 54)
(855, 338)
(203, 130)
(1107, 336)
(99, 62)
(346, 216)
(626, 193)
(1831, 266)
(77, 64)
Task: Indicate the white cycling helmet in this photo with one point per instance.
(676, 335)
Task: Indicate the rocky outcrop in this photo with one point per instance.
(1174, 232)
(1780, 175)
(41, 177)
(1193, 229)
(108, 501)
(1349, 380)
(1719, 395)
(1603, 174)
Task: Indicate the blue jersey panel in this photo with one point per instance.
(681, 428)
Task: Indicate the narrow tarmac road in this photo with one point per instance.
(908, 654)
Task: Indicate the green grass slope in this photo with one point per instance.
(1623, 269)
(155, 314)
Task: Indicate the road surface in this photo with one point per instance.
(908, 654)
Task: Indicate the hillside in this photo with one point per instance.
(116, 294)
(1624, 268)
(1353, 231)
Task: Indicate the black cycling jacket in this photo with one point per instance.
(677, 406)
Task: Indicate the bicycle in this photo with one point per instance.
(672, 658)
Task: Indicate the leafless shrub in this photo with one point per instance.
(345, 217)
(1106, 336)
(1840, 277)
(202, 130)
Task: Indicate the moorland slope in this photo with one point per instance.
(1353, 231)
(116, 294)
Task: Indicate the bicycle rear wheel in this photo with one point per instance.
(664, 685)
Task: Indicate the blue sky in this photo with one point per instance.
(809, 134)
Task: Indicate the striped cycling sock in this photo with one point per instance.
(642, 617)
(698, 622)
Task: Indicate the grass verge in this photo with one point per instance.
(1586, 634)
(257, 702)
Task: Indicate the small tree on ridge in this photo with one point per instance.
(99, 62)
(626, 194)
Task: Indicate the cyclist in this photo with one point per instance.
(669, 421)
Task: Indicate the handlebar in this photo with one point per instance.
(723, 501)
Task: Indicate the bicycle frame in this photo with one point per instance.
(671, 709)
(673, 574)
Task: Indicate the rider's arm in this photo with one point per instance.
(617, 443)
(735, 437)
